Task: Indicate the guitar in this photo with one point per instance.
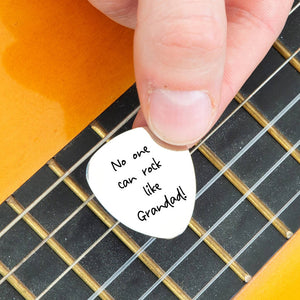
(59, 86)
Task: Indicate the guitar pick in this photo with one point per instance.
(148, 187)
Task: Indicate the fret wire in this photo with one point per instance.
(273, 131)
(112, 132)
(209, 241)
(286, 54)
(276, 134)
(245, 148)
(66, 220)
(219, 250)
(2, 232)
(203, 189)
(246, 246)
(77, 190)
(148, 243)
(122, 268)
(17, 284)
(293, 102)
(70, 183)
(69, 171)
(66, 174)
(220, 220)
(57, 248)
(283, 50)
(121, 233)
(245, 101)
(243, 188)
(76, 261)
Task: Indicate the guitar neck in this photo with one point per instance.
(57, 242)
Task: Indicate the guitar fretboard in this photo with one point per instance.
(57, 242)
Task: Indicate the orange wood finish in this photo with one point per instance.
(62, 63)
(279, 279)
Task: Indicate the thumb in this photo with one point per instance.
(179, 54)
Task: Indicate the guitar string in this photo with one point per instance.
(115, 275)
(109, 135)
(211, 182)
(294, 8)
(247, 146)
(121, 269)
(124, 266)
(90, 199)
(292, 103)
(146, 244)
(68, 172)
(114, 130)
(220, 220)
(77, 261)
(48, 237)
(149, 242)
(247, 245)
(241, 104)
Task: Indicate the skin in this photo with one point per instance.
(186, 50)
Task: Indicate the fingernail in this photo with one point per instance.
(179, 117)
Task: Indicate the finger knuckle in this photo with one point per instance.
(193, 34)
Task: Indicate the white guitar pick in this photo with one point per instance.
(147, 187)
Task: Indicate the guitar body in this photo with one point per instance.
(63, 65)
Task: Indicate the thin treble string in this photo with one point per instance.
(131, 115)
(294, 8)
(152, 240)
(211, 182)
(45, 240)
(100, 143)
(246, 246)
(232, 161)
(85, 157)
(77, 261)
(245, 101)
(220, 220)
(68, 172)
(271, 123)
(122, 268)
(248, 145)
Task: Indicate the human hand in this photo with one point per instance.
(192, 56)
